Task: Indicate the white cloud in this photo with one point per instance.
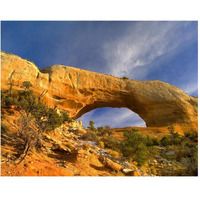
(141, 45)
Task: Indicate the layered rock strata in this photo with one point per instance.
(79, 91)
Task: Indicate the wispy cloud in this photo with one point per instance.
(139, 50)
(190, 88)
(142, 44)
(115, 117)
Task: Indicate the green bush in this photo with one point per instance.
(111, 143)
(32, 106)
(155, 142)
(135, 147)
(100, 131)
(53, 120)
(188, 135)
(7, 100)
(90, 136)
(66, 117)
(165, 141)
(177, 141)
(149, 141)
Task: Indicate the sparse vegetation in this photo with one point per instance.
(181, 150)
(35, 119)
(91, 136)
(165, 141)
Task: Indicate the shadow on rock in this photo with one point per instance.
(63, 156)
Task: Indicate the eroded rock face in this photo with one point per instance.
(79, 91)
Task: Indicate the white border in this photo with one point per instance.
(97, 187)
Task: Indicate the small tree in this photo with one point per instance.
(28, 132)
(91, 126)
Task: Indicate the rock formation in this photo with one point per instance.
(79, 91)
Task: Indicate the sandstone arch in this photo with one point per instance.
(79, 91)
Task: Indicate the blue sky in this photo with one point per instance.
(140, 50)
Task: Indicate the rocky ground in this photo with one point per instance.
(65, 153)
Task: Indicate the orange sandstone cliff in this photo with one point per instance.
(79, 91)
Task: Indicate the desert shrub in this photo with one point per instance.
(190, 144)
(193, 165)
(124, 77)
(153, 150)
(66, 117)
(191, 136)
(35, 117)
(100, 131)
(111, 143)
(7, 100)
(135, 147)
(188, 156)
(155, 142)
(27, 101)
(177, 141)
(91, 136)
(188, 135)
(53, 120)
(107, 129)
(149, 141)
(174, 134)
(165, 141)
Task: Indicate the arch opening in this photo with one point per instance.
(115, 117)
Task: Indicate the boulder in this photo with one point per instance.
(112, 165)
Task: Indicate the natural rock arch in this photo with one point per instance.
(78, 91)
